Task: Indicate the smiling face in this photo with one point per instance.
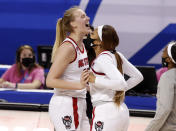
(80, 22)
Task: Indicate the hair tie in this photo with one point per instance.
(169, 51)
(113, 51)
(100, 28)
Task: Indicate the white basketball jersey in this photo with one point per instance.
(101, 94)
(74, 70)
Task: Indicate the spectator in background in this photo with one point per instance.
(165, 117)
(25, 73)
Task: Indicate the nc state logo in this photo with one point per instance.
(67, 120)
(99, 126)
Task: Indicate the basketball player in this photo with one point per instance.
(67, 107)
(107, 84)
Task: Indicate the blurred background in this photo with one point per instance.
(144, 26)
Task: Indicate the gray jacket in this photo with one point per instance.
(165, 117)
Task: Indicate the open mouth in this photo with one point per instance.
(87, 25)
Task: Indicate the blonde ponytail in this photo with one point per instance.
(63, 27)
(60, 36)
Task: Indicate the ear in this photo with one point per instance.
(73, 24)
(98, 42)
(168, 60)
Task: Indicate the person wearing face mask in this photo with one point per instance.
(91, 56)
(107, 83)
(163, 69)
(25, 73)
(165, 117)
(88, 45)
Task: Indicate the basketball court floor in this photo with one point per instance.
(15, 120)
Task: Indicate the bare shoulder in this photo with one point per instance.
(66, 51)
(67, 47)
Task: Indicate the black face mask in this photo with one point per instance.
(90, 51)
(88, 42)
(28, 62)
(164, 62)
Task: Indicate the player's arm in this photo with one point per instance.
(130, 70)
(114, 79)
(65, 54)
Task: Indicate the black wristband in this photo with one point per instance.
(16, 85)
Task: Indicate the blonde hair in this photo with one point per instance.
(63, 28)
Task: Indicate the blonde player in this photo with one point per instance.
(107, 84)
(67, 107)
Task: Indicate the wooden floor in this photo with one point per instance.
(11, 120)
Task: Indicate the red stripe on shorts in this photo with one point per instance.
(93, 113)
(75, 111)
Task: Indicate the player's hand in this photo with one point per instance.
(91, 77)
(84, 79)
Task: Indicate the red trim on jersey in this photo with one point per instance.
(106, 54)
(75, 112)
(98, 73)
(93, 113)
(74, 48)
(82, 51)
(101, 54)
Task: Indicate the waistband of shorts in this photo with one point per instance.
(101, 103)
(68, 96)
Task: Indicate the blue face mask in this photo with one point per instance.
(164, 62)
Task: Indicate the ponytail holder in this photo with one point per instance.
(100, 28)
(61, 19)
(113, 51)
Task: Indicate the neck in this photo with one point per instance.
(77, 38)
(98, 50)
(171, 65)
